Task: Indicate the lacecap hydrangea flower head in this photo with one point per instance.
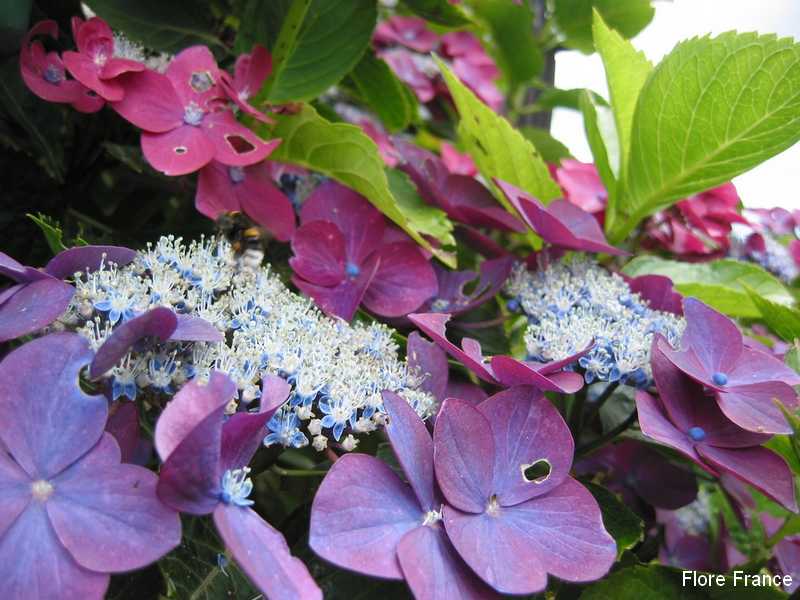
(253, 326)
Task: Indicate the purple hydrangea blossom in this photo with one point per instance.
(345, 254)
(467, 491)
(684, 417)
(205, 472)
(451, 297)
(70, 512)
(744, 381)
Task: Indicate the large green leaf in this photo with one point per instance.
(422, 217)
(621, 522)
(319, 42)
(167, 26)
(784, 321)
(518, 54)
(259, 23)
(497, 148)
(441, 12)
(712, 109)
(344, 153)
(601, 132)
(550, 148)
(721, 284)
(574, 19)
(386, 95)
(553, 97)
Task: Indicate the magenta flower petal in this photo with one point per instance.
(251, 70)
(343, 299)
(464, 452)
(35, 565)
(123, 424)
(43, 72)
(468, 201)
(582, 185)
(216, 192)
(526, 428)
(150, 102)
(33, 306)
(430, 361)
(659, 293)
(82, 258)
(159, 322)
(654, 424)
(195, 329)
(234, 144)
(267, 205)
(242, 435)
(361, 223)
(319, 253)
(434, 571)
(753, 406)
(755, 366)
(263, 554)
(194, 75)
(560, 533)
(360, 513)
(46, 431)
(451, 297)
(760, 467)
(403, 281)
(180, 151)
(510, 371)
(465, 391)
(560, 223)
(115, 507)
(433, 325)
(714, 338)
(117, 66)
(411, 32)
(413, 446)
(83, 68)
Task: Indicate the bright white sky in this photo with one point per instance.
(773, 183)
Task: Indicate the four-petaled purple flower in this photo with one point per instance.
(473, 505)
(745, 382)
(205, 472)
(346, 254)
(686, 418)
(70, 512)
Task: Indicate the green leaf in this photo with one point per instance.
(497, 148)
(387, 96)
(441, 12)
(518, 55)
(51, 229)
(422, 217)
(549, 148)
(551, 98)
(319, 42)
(158, 25)
(782, 320)
(574, 19)
(711, 110)
(792, 358)
(721, 284)
(622, 523)
(345, 153)
(601, 132)
(259, 23)
(640, 583)
(192, 571)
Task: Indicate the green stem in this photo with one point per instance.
(606, 437)
(781, 533)
(576, 414)
(297, 472)
(595, 406)
(89, 221)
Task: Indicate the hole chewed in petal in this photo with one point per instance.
(180, 149)
(239, 144)
(201, 81)
(536, 472)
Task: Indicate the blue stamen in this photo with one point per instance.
(719, 378)
(697, 434)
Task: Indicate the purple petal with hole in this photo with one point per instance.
(688, 406)
(189, 440)
(433, 325)
(87, 258)
(510, 372)
(560, 223)
(15, 491)
(464, 455)
(262, 553)
(195, 329)
(123, 424)
(430, 361)
(159, 323)
(361, 224)
(526, 428)
(359, 515)
(47, 421)
(413, 446)
(403, 281)
(33, 307)
(655, 424)
(235, 145)
(658, 291)
(319, 253)
(110, 518)
(36, 566)
(434, 571)
(560, 533)
(150, 102)
(753, 407)
(180, 151)
(760, 467)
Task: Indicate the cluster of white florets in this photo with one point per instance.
(337, 370)
(574, 302)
